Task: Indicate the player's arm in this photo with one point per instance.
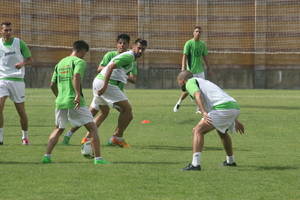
(183, 63)
(104, 62)
(186, 50)
(77, 87)
(54, 89)
(110, 67)
(53, 84)
(132, 78)
(205, 58)
(239, 127)
(26, 55)
(200, 104)
(100, 68)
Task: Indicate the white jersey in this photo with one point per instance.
(9, 57)
(212, 94)
(124, 65)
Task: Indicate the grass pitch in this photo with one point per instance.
(268, 155)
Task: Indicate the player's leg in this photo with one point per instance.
(69, 134)
(17, 91)
(98, 103)
(93, 132)
(227, 144)
(124, 119)
(2, 103)
(61, 119)
(104, 109)
(52, 141)
(199, 131)
(20, 107)
(181, 98)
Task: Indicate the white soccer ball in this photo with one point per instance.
(87, 150)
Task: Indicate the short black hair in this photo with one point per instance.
(80, 45)
(141, 41)
(6, 23)
(123, 36)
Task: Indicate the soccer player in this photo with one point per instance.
(108, 85)
(14, 56)
(70, 103)
(122, 46)
(219, 110)
(194, 53)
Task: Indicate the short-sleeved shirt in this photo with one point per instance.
(110, 55)
(123, 64)
(63, 77)
(214, 97)
(195, 50)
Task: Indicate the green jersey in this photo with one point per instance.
(110, 55)
(123, 64)
(63, 77)
(195, 50)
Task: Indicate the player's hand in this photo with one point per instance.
(77, 102)
(239, 127)
(206, 118)
(19, 65)
(102, 90)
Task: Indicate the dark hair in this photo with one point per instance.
(141, 41)
(6, 23)
(197, 27)
(80, 45)
(123, 36)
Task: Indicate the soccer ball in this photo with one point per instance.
(87, 150)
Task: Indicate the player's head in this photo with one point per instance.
(122, 42)
(183, 77)
(81, 48)
(139, 47)
(197, 32)
(6, 30)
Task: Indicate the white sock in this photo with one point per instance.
(1, 134)
(69, 133)
(24, 134)
(230, 159)
(98, 158)
(179, 101)
(47, 155)
(196, 159)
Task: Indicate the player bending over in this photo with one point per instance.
(219, 110)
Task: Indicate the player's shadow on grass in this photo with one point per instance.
(178, 148)
(181, 148)
(147, 162)
(279, 168)
(40, 163)
(266, 168)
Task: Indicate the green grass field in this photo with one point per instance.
(268, 155)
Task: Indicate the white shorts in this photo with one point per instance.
(113, 94)
(224, 120)
(77, 118)
(15, 90)
(199, 75)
